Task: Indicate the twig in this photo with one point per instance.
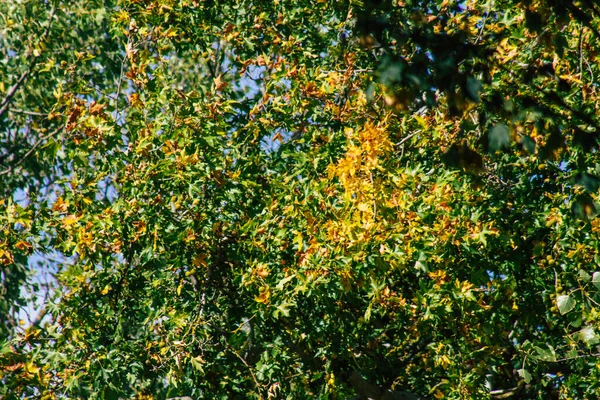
(13, 89)
(345, 71)
(482, 28)
(32, 113)
(121, 79)
(40, 140)
(11, 92)
(244, 362)
(102, 92)
(581, 52)
(577, 356)
(504, 393)
(404, 140)
(407, 138)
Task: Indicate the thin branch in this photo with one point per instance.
(31, 150)
(31, 113)
(407, 138)
(245, 363)
(504, 393)
(102, 92)
(482, 28)
(577, 356)
(121, 78)
(345, 71)
(580, 46)
(13, 89)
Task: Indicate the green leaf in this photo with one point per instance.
(584, 276)
(588, 336)
(590, 182)
(565, 303)
(284, 281)
(474, 86)
(528, 144)
(499, 138)
(283, 309)
(197, 363)
(523, 373)
(547, 355)
(596, 279)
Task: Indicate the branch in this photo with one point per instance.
(11, 92)
(30, 151)
(120, 82)
(366, 390)
(31, 113)
(244, 362)
(13, 89)
(504, 393)
(38, 319)
(595, 355)
(407, 138)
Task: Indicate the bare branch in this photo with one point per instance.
(31, 150)
(31, 113)
(128, 48)
(13, 89)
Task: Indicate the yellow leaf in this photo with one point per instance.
(466, 286)
(70, 220)
(443, 361)
(105, 290)
(60, 205)
(197, 363)
(438, 394)
(264, 295)
(422, 121)
(199, 260)
(121, 16)
(363, 207)
(22, 245)
(33, 369)
(171, 32)
(299, 241)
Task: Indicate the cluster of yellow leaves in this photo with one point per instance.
(363, 157)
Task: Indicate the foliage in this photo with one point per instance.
(299, 199)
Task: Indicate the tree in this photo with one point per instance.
(391, 199)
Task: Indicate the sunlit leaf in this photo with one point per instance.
(565, 303)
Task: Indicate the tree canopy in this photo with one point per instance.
(299, 199)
